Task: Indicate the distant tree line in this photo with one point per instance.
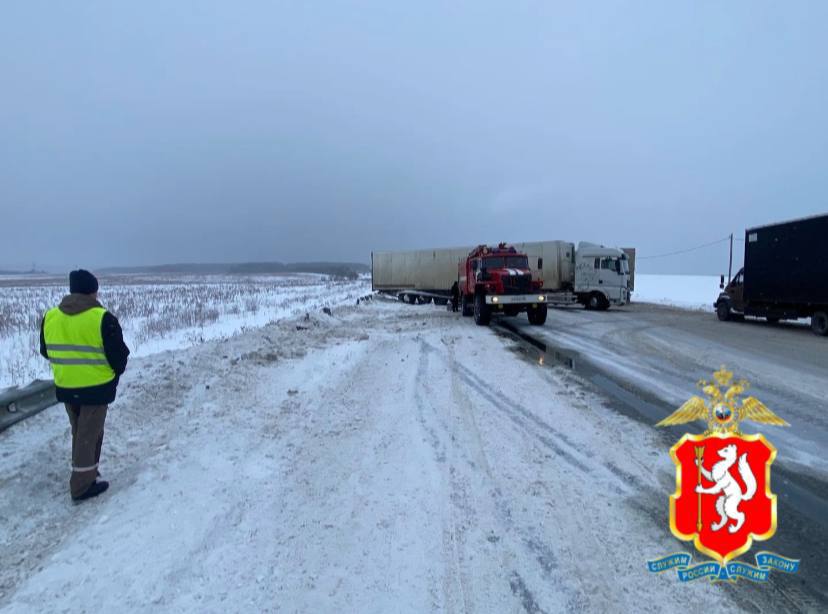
(30, 272)
(337, 270)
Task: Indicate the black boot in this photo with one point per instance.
(94, 490)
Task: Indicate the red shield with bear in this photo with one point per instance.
(723, 499)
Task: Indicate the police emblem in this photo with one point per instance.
(723, 499)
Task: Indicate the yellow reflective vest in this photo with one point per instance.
(74, 344)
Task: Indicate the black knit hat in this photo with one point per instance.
(82, 282)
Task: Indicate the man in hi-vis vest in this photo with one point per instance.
(86, 349)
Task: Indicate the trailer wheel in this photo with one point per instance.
(465, 307)
(537, 314)
(819, 323)
(723, 311)
(482, 313)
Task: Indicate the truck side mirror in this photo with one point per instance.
(721, 282)
(540, 263)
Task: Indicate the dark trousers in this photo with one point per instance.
(87, 423)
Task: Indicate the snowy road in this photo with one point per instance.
(645, 360)
(387, 459)
(664, 351)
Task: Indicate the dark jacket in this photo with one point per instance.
(114, 347)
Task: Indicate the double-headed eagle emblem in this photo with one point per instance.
(723, 499)
(724, 410)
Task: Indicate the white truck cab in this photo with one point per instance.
(602, 276)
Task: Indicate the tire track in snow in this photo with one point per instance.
(455, 591)
(491, 505)
(565, 566)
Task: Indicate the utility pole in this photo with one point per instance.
(730, 265)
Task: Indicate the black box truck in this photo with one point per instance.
(785, 275)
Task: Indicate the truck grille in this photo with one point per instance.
(516, 284)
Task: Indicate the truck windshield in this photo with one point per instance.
(619, 265)
(507, 262)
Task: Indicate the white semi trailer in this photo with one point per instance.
(592, 275)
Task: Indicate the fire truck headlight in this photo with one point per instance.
(494, 299)
(541, 298)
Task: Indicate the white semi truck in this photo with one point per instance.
(592, 275)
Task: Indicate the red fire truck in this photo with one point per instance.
(498, 280)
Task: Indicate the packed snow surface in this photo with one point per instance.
(387, 458)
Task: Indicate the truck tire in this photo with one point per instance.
(723, 311)
(482, 312)
(594, 301)
(819, 323)
(466, 308)
(537, 315)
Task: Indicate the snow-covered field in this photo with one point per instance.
(685, 291)
(177, 311)
(162, 313)
(386, 458)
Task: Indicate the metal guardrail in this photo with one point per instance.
(17, 404)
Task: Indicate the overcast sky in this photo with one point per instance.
(151, 132)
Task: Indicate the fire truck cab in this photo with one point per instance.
(498, 280)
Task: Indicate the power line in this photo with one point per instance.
(684, 251)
